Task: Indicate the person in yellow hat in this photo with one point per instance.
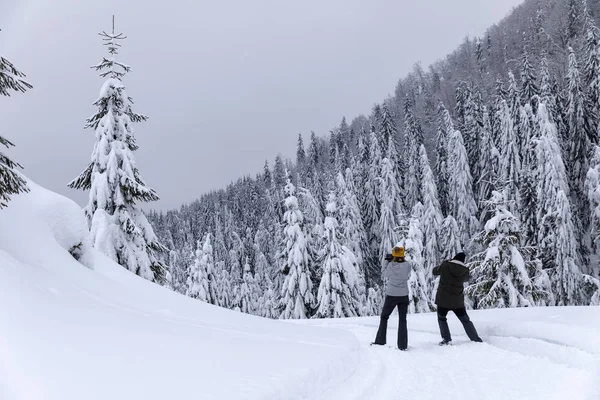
(396, 271)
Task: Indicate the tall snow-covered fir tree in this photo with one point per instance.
(579, 133)
(419, 291)
(11, 79)
(461, 202)
(388, 219)
(201, 280)
(444, 129)
(504, 275)
(297, 300)
(558, 245)
(337, 294)
(489, 161)
(510, 164)
(373, 199)
(369, 206)
(119, 229)
(591, 72)
(249, 293)
(430, 219)
(349, 219)
(413, 139)
(387, 135)
(529, 87)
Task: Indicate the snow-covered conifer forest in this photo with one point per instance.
(493, 150)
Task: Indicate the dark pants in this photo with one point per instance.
(390, 303)
(461, 313)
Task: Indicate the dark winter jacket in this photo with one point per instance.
(450, 293)
(397, 274)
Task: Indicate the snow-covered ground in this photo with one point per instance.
(95, 331)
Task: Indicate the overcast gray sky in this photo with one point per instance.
(226, 84)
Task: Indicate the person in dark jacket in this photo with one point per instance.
(450, 297)
(397, 271)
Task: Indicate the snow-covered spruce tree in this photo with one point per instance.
(312, 229)
(301, 161)
(557, 241)
(489, 161)
(297, 300)
(388, 134)
(413, 140)
(249, 293)
(315, 176)
(225, 290)
(461, 202)
(373, 303)
(336, 297)
(431, 219)
(178, 269)
(513, 101)
(373, 200)
(449, 238)
(579, 136)
(11, 79)
(591, 70)
(473, 125)
(510, 164)
(529, 87)
(351, 230)
(528, 176)
(444, 128)
(119, 229)
(419, 291)
(388, 194)
(547, 94)
(503, 275)
(368, 207)
(202, 281)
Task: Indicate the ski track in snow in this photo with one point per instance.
(503, 367)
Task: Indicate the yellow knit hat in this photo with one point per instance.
(398, 252)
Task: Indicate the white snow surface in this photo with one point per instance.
(69, 331)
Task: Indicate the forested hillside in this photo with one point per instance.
(494, 150)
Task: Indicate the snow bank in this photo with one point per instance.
(70, 332)
(42, 225)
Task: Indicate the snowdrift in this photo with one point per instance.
(89, 329)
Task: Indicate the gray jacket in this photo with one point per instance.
(397, 274)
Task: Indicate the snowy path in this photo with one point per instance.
(505, 367)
